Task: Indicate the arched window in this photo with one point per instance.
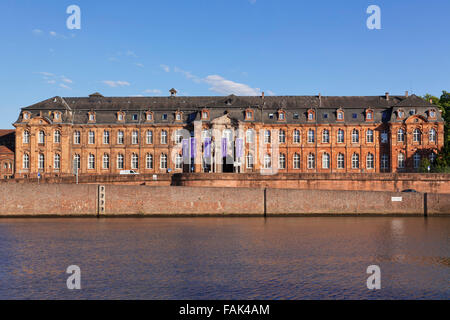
(163, 161)
(149, 161)
(134, 161)
(91, 137)
(135, 137)
(369, 136)
(296, 136)
(311, 161)
(281, 136)
(325, 136)
(340, 161)
(57, 161)
(91, 161)
(250, 134)
(267, 136)
(267, 161)
(296, 161)
(325, 161)
(178, 136)
(355, 161)
(370, 161)
(340, 136)
(41, 161)
(310, 136)
(149, 137)
(106, 161)
(164, 139)
(432, 135)
(26, 136)
(282, 161)
(106, 137)
(120, 163)
(120, 137)
(76, 137)
(384, 161)
(179, 161)
(57, 136)
(77, 161)
(401, 160)
(400, 135)
(41, 137)
(417, 135)
(250, 162)
(26, 161)
(416, 160)
(355, 136)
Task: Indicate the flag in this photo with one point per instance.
(193, 147)
(224, 147)
(239, 150)
(207, 152)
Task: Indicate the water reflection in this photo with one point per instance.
(225, 258)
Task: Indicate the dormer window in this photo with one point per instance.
(340, 115)
(56, 116)
(311, 115)
(120, 116)
(248, 114)
(149, 116)
(400, 114)
(26, 116)
(91, 116)
(270, 115)
(135, 117)
(295, 116)
(281, 115)
(369, 115)
(412, 112)
(432, 114)
(178, 116)
(164, 116)
(205, 114)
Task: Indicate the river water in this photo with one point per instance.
(225, 258)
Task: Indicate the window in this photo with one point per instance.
(149, 137)
(417, 135)
(370, 161)
(250, 161)
(296, 136)
(105, 137)
(56, 115)
(295, 116)
(355, 161)
(26, 116)
(26, 136)
(325, 136)
(135, 117)
(26, 161)
(77, 161)
(310, 136)
(41, 137)
(340, 136)
(120, 117)
(163, 161)
(120, 164)
(120, 137)
(384, 137)
(432, 114)
(432, 135)
(326, 161)
(369, 116)
(310, 116)
(401, 160)
(267, 136)
(432, 157)
(135, 137)
(416, 160)
(296, 161)
(178, 116)
(399, 114)
(282, 161)
(163, 137)
(178, 136)
(41, 161)
(57, 161)
(311, 161)
(325, 115)
(369, 136)
(91, 137)
(400, 135)
(267, 161)
(340, 115)
(355, 136)
(149, 116)
(249, 115)
(164, 116)
(412, 112)
(91, 161)
(149, 161)
(281, 136)
(179, 161)
(354, 115)
(250, 135)
(270, 115)
(205, 115)
(384, 161)
(57, 136)
(76, 137)
(281, 115)
(340, 161)
(91, 117)
(134, 161)
(106, 161)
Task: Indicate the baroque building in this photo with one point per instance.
(99, 135)
(7, 140)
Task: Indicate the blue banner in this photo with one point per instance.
(239, 144)
(207, 153)
(185, 149)
(193, 147)
(224, 147)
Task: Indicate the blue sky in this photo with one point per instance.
(131, 48)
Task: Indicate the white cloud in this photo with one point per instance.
(47, 74)
(130, 53)
(153, 91)
(51, 81)
(37, 32)
(66, 80)
(62, 85)
(224, 86)
(270, 93)
(165, 68)
(140, 65)
(53, 33)
(187, 74)
(252, 1)
(115, 84)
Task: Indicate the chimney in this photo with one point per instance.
(262, 95)
(387, 96)
(406, 94)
